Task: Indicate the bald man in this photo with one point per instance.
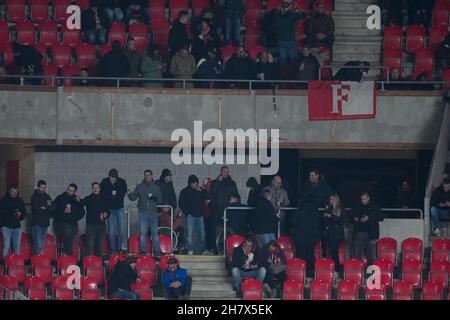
(279, 199)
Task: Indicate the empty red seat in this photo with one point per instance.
(320, 290)
(139, 31)
(293, 290)
(252, 289)
(41, 267)
(348, 290)
(273, 4)
(37, 294)
(440, 14)
(387, 271)
(324, 270)
(431, 291)
(254, 51)
(287, 246)
(64, 294)
(412, 248)
(33, 282)
(231, 243)
(198, 5)
(86, 56)
(48, 33)
(296, 269)
(94, 269)
(63, 262)
(412, 272)
(160, 32)
(387, 249)
(393, 59)
(15, 10)
(439, 272)
(25, 32)
(393, 38)
(146, 269)
(39, 10)
(133, 244)
(8, 55)
(72, 38)
(440, 248)
(436, 35)
(403, 290)
(49, 70)
(60, 10)
(15, 267)
(90, 294)
(376, 293)
(117, 32)
(7, 286)
(354, 271)
(415, 38)
(176, 6)
(61, 55)
(49, 242)
(156, 11)
(4, 32)
(253, 15)
(165, 243)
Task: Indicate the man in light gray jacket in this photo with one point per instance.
(279, 199)
(149, 197)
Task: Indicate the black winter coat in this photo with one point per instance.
(192, 201)
(220, 191)
(122, 277)
(8, 208)
(439, 196)
(168, 193)
(77, 211)
(178, 37)
(307, 224)
(265, 221)
(116, 201)
(373, 212)
(316, 193)
(41, 209)
(95, 205)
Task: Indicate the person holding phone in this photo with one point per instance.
(41, 211)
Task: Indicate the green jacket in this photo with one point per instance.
(183, 67)
(149, 67)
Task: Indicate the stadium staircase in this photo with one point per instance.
(354, 41)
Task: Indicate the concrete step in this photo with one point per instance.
(356, 49)
(201, 259)
(350, 6)
(211, 286)
(356, 32)
(215, 278)
(213, 295)
(210, 265)
(345, 13)
(360, 39)
(344, 57)
(348, 22)
(207, 273)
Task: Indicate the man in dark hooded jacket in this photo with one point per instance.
(41, 211)
(178, 36)
(315, 190)
(114, 64)
(209, 67)
(266, 218)
(165, 183)
(28, 61)
(241, 67)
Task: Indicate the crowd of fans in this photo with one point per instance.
(406, 12)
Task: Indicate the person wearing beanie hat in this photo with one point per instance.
(177, 283)
(113, 189)
(192, 199)
(165, 183)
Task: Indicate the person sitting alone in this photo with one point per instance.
(274, 261)
(177, 283)
(123, 276)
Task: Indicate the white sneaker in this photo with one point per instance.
(191, 253)
(437, 232)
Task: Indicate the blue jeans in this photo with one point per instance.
(148, 221)
(197, 225)
(233, 30)
(38, 233)
(436, 214)
(114, 14)
(238, 274)
(125, 295)
(8, 235)
(116, 224)
(96, 36)
(287, 50)
(264, 239)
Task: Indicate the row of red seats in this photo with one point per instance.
(424, 62)
(415, 37)
(440, 14)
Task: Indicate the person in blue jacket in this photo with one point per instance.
(176, 281)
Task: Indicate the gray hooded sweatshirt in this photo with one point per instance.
(149, 195)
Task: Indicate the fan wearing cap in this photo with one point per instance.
(209, 67)
(177, 283)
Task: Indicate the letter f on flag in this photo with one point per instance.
(340, 95)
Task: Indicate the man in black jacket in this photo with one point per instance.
(266, 69)
(315, 190)
(192, 199)
(246, 264)
(440, 205)
(114, 64)
(96, 215)
(94, 25)
(41, 211)
(123, 276)
(266, 220)
(178, 36)
(28, 61)
(113, 189)
(165, 183)
(240, 67)
(366, 219)
(68, 211)
(12, 212)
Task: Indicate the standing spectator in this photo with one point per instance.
(443, 53)
(333, 227)
(279, 198)
(320, 28)
(41, 211)
(124, 274)
(29, 62)
(205, 39)
(12, 212)
(406, 197)
(366, 219)
(246, 264)
(266, 69)
(266, 219)
(240, 67)
(206, 15)
(113, 65)
(149, 195)
(440, 206)
(112, 11)
(284, 24)
(307, 234)
(113, 189)
(94, 25)
(134, 60)
(255, 192)
(136, 9)
(209, 67)
(68, 211)
(308, 67)
(183, 66)
(420, 11)
(237, 220)
(233, 11)
(210, 222)
(152, 67)
(96, 215)
(165, 183)
(192, 199)
(178, 35)
(315, 190)
(274, 261)
(177, 283)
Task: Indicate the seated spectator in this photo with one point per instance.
(352, 74)
(237, 219)
(119, 284)
(394, 11)
(308, 67)
(114, 64)
(209, 67)
(320, 28)
(29, 62)
(420, 11)
(136, 9)
(266, 69)
(112, 10)
(206, 15)
(177, 283)
(443, 54)
(183, 66)
(246, 264)
(266, 218)
(233, 11)
(240, 67)
(206, 38)
(152, 66)
(422, 83)
(274, 261)
(93, 25)
(284, 25)
(440, 206)
(178, 36)
(84, 81)
(406, 197)
(134, 59)
(395, 76)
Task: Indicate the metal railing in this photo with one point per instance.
(128, 212)
(331, 67)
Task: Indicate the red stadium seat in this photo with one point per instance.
(253, 35)
(4, 32)
(49, 242)
(25, 32)
(252, 289)
(198, 5)
(8, 285)
(354, 271)
(15, 10)
(293, 290)
(287, 246)
(61, 56)
(232, 243)
(324, 270)
(253, 15)
(114, 259)
(71, 38)
(160, 32)
(117, 32)
(83, 4)
(165, 244)
(15, 267)
(33, 282)
(415, 38)
(156, 11)
(70, 71)
(60, 10)
(320, 290)
(412, 272)
(403, 290)
(393, 59)
(145, 293)
(163, 262)
(104, 49)
(376, 293)
(254, 51)
(8, 56)
(139, 31)
(63, 262)
(133, 244)
(440, 248)
(387, 272)
(296, 269)
(436, 35)
(343, 252)
(227, 52)
(86, 56)
(39, 10)
(348, 290)
(412, 248)
(393, 38)
(37, 294)
(273, 4)
(88, 283)
(431, 291)
(176, 6)
(47, 33)
(318, 251)
(26, 249)
(94, 269)
(90, 294)
(387, 249)
(64, 294)
(439, 272)
(146, 269)
(49, 70)
(41, 267)
(440, 15)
